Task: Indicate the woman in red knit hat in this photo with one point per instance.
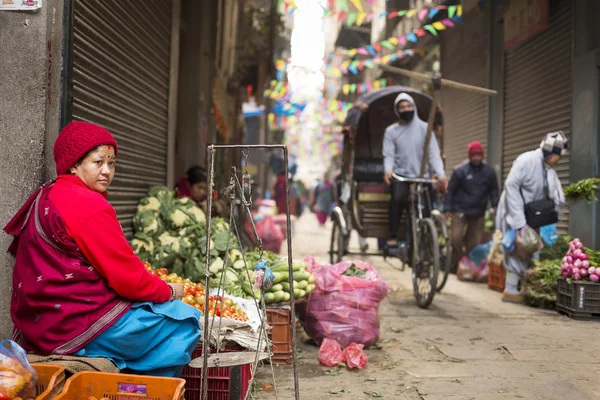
(78, 287)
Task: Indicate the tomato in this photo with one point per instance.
(228, 302)
(191, 291)
(92, 398)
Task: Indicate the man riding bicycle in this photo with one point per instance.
(403, 146)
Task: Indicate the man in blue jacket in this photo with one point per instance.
(472, 186)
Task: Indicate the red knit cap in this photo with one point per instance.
(76, 140)
(475, 148)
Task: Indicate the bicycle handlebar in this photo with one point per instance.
(413, 180)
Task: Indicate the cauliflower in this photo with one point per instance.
(167, 240)
(178, 219)
(197, 214)
(184, 202)
(148, 203)
(142, 244)
(148, 222)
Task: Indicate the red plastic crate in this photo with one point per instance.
(280, 334)
(224, 383)
(496, 277)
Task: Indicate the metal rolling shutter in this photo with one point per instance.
(537, 91)
(121, 53)
(465, 113)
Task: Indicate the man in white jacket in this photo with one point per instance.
(524, 185)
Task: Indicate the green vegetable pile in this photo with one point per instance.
(558, 249)
(540, 284)
(281, 292)
(584, 189)
(171, 233)
(490, 224)
(355, 271)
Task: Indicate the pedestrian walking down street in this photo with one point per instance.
(324, 198)
(473, 186)
(531, 180)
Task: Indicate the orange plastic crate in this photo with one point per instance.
(51, 380)
(121, 387)
(280, 334)
(496, 277)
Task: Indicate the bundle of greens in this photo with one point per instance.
(557, 250)
(354, 271)
(584, 189)
(540, 284)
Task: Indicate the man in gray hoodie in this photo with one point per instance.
(403, 145)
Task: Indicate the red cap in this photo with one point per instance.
(76, 140)
(475, 148)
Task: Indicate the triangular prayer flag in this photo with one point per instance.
(341, 16)
(371, 50)
(420, 32)
(383, 14)
(293, 4)
(353, 88)
(358, 5)
(439, 26)
(351, 18)
(459, 10)
(387, 45)
(423, 13)
(392, 14)
(448, 22)
(346, 88)
(343, 5)
(369, 63)
(362, 51)
(412, 12)
(352, 52)
(411, 37)
(361, 18)
(394, 41)
(279, 4)
(451, 11)
(361, 64)
(377, 47)
(383, 83)
(402, 13)
(433, 12)
(377, 60)
(376, 84)
(369, 86)
(431, 30)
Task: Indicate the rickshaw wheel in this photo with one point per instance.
(337, 244)
(445, 250)
(425, 272)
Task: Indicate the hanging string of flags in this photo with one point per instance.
(359, 18)
(363, 87)
(358, 65)
(276, 90)
(392, 42)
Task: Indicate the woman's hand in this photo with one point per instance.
(178, 290)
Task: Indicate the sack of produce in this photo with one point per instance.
(344, 305)
(355, 357)
(330, 353)
(270, 234)
(467, 270)
(496, 253)
(18, 378)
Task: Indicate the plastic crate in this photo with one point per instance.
(280, 334)
(51, 380)
(496, 277)
(578, 300)
(224, 383)
(121, 387)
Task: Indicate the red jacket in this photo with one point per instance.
(75, 274)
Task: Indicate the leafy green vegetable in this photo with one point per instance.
(355, 271)
(584, 189)
(558, 249)
(540, 284)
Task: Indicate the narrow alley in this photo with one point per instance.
(467, 345)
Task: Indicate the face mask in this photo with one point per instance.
(406, 115)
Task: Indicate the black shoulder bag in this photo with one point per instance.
(541, 212)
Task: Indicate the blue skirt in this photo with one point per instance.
(150, 339)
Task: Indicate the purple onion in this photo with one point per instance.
(583, 272)
(583, 256)
(577, 263)
(585, 264)
(565, 274)
(575, 271)
(594, 278)
(569, 259)
(592, 270)
(577, 253)
(577, 277)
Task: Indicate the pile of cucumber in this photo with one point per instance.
(280, 291)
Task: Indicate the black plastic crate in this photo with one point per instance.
(578, 300)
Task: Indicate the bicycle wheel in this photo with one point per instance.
(445, 245)
(426, 262)
(337, 244)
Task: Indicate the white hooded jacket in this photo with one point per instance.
(403, 146)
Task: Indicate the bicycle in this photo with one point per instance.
(422, 236)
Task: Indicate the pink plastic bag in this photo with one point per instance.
(330, 353)
(270, 234)
(354, 357)
(344, 308)
(466, 270)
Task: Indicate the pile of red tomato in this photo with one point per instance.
(195, 296)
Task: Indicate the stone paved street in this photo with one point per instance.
(468, 345)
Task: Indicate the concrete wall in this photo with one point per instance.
(585, 218)
(28, 102)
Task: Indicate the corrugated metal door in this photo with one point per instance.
(537, 91)
(465, 51)
(121, 53)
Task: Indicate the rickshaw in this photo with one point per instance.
(364, 197)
